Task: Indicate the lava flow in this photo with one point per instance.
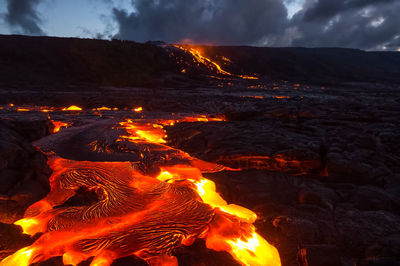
(58, 125)
(203, 60)
(209, 63)
(145, 207)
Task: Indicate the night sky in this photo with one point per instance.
(364, 24)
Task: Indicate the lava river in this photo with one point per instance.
(151, 199)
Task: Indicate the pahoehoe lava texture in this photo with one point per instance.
(136, 212)
(152, 218)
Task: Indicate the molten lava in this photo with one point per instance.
(204, 60)
(209, 63)
(103, 108)
(146, 132)
(23, 109)
(138, 109)
(72, 108)
(137, 212)
(58, 125)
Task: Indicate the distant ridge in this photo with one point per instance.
(36, 61)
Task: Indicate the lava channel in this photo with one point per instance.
(140, 212)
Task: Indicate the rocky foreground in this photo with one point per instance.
(320, 165)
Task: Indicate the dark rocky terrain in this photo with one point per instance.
(316, 136)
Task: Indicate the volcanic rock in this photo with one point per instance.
(316, 255)
(23, 174)
(12, 239)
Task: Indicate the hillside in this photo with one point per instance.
(49, 61)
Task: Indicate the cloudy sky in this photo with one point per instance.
(364, 24)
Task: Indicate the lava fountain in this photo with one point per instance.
(146, 206)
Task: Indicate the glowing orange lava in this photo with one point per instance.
(201, 59)
(282, 97)
(190, 119)
(138, 109)
(254, 97)
(137, 213)
(23, 109)
(45, 110)
(58, 125)
(104, 108)
(72, 108)
(247, 77)
(144, 132)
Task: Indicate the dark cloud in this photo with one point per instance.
(322, 9)
(22, 16)
(206, 21)
(366, 24)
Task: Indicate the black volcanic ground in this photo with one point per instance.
(337, 109)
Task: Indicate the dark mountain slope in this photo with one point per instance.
(318, 65)
(48, 61)
(45, 60)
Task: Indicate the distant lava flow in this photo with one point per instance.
(209, 63)
(146, 206)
